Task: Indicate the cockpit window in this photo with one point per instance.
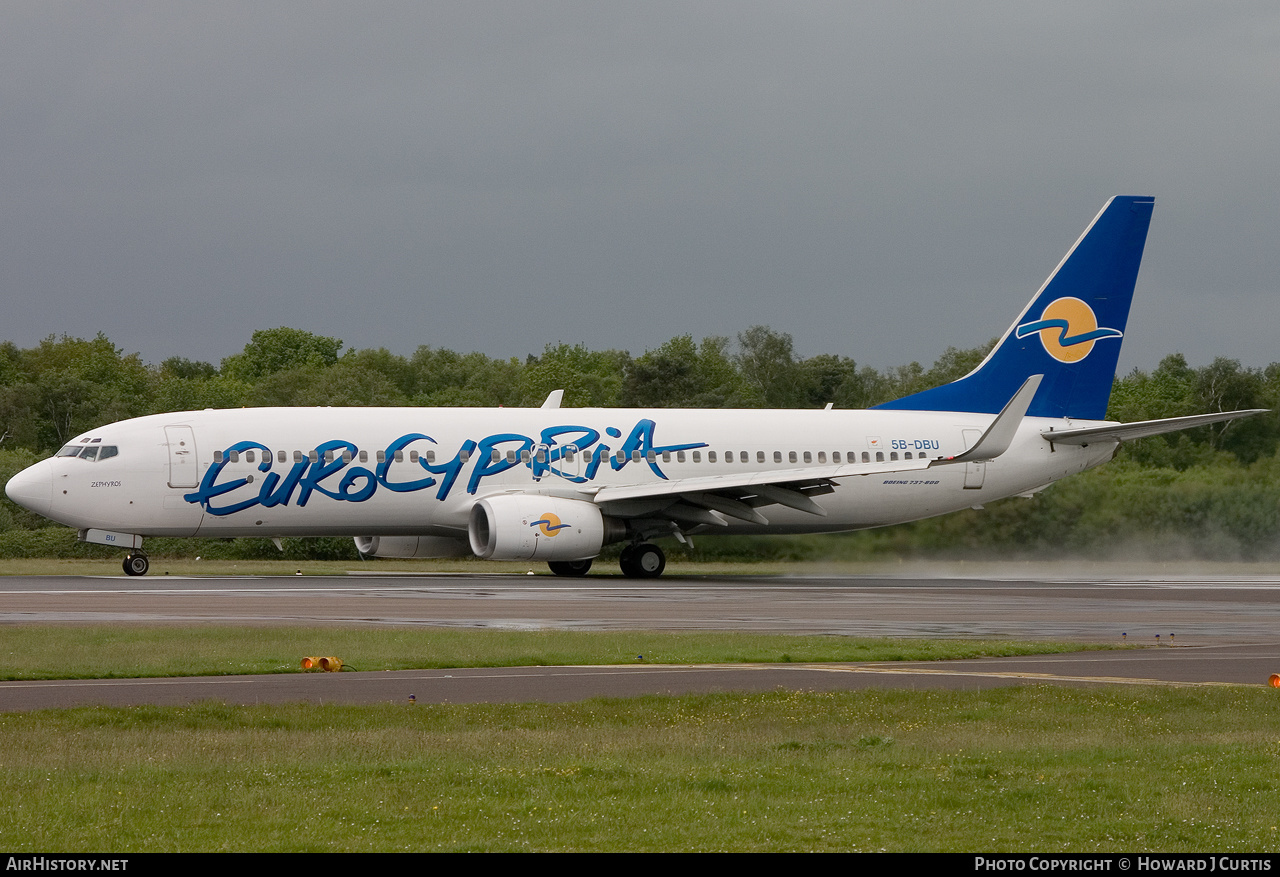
(89, 452)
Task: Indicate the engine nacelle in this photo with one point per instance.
(411, 546)
(530, 527)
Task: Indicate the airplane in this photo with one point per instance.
(556, 485)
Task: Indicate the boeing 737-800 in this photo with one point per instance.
(557, 485)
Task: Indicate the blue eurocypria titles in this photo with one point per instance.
(333, 473)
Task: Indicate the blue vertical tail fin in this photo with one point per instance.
(1070, 332)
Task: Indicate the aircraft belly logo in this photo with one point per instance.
(549, 524)
(1068, 328)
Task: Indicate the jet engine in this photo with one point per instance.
(530, 527)
(412, 546)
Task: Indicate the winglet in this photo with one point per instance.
(553, 399)
(996, 440)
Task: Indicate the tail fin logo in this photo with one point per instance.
(1068, 328)
(549, 524)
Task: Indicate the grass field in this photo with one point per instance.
(1031, 768)
(117, 651)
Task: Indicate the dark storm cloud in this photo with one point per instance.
(880, 180)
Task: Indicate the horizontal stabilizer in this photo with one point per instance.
(1121, 432)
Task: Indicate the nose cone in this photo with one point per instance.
(32, 488)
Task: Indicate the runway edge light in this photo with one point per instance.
(328, 664)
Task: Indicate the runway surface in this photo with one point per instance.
(1211, 630)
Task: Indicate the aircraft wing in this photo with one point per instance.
(708, 500)
(1121, 432)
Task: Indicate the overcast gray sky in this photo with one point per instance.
(880, 180)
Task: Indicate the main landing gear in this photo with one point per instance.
(643, 560)
(570, 567)
(136, 565)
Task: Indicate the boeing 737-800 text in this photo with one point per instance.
(557, 484)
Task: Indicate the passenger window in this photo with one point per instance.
(835, 456)
(328, 456)
(650, 456)
(728, 456)
(679, 456)
(413, 456)
(346, 457)
(808, 457)
(382, 456)
(666, 456)
(297, 456)
(314, 456)
(777, 456)
(822, 456)
(866, 457)
(235, 455)
(524, 455)
(399, 455)
(364, 456)
(464, 456)
(635, 456)
(511, 456)
(249, 456)
(791, 456)
(495, 456)
(217, 456)
(697, 457)
(742, 457)
(282, 456)
(431, 456)
(759, 456)
(879, 456)
(711, 456)
(907, 455)
(893, 455)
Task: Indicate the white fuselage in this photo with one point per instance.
(419, 471)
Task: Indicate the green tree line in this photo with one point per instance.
(1209, 492)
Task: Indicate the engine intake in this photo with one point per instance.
(532, 527)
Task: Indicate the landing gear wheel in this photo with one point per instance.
(136, 565)
(643, 561)
(570, 567)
